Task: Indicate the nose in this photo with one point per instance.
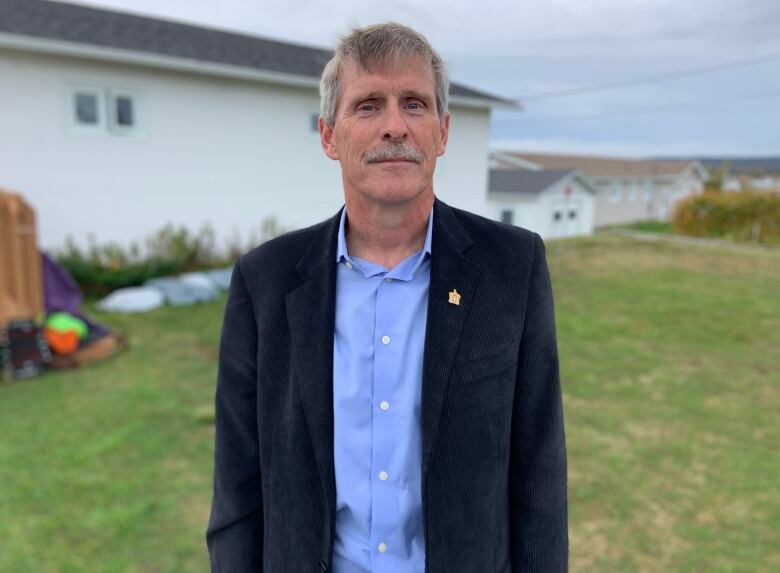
(395, 127)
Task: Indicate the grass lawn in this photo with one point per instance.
(669, 361)
(646, 226)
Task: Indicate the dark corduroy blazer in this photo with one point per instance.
(493, 447)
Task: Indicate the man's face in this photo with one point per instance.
(387, 133)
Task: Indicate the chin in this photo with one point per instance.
(397, 193)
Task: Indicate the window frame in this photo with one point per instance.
(74, 124)
(113, 125)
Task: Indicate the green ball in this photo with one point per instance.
(63, 322)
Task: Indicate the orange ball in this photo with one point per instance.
(62, 342)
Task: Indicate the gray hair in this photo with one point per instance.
(377, 47)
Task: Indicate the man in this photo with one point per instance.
(388, 395)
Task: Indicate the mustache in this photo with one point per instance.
(403, 151)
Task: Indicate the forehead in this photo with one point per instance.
(393, 77)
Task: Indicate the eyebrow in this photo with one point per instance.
(381, 96)
(416, 95)
(370, 95)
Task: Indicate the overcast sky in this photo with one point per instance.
(520, 49)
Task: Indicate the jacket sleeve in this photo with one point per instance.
(234, 535)
(537, 474)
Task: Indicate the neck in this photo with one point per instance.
(387, 234)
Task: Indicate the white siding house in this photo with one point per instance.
(629, 190)
(555, 204)
(114, 125)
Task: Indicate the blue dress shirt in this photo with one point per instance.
(377, 381)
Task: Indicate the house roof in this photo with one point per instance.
(108, 29)
(521, 181)
(607, 167)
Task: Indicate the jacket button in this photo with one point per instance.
(323, 566)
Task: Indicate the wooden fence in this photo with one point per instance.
(21, 281)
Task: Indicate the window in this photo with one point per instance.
(648, 194)
(557, 216)
(86, 107)
(104, 110)
(572, 215)
(633, 193)
(614, 193)
(507, 216)
(123, 112)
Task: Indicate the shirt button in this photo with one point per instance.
(385, 405)
(382, 547)
(385, 339)
(348, 265)
(383, 476)
(388, 280)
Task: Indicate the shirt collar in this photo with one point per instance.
(343, 254)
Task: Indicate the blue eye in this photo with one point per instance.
(366, 107)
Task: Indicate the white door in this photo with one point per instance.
(566, 219)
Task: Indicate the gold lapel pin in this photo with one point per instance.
(454, 297)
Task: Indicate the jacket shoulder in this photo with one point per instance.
(499, 241)
(279, 256)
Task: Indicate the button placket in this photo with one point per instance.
(383, 503)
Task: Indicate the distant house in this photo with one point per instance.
(628, 189)
(763, 184)
(732, 184)
(114, 124)
(553, 203)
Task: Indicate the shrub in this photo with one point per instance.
(100, 269)
(743, 216)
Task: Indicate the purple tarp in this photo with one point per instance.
(61, 293)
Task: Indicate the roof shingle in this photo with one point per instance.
(522, 181)
(606, 167)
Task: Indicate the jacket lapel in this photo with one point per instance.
(450, 270)
(311, 318)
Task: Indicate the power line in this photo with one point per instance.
(656, 78)
(681, 106)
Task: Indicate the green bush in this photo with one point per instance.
(100, 269)
(743, 216)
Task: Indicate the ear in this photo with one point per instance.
(444, 132)
(326, 139)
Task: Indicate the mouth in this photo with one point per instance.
(395, 160)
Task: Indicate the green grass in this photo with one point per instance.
(669, 362)
(645, 226)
